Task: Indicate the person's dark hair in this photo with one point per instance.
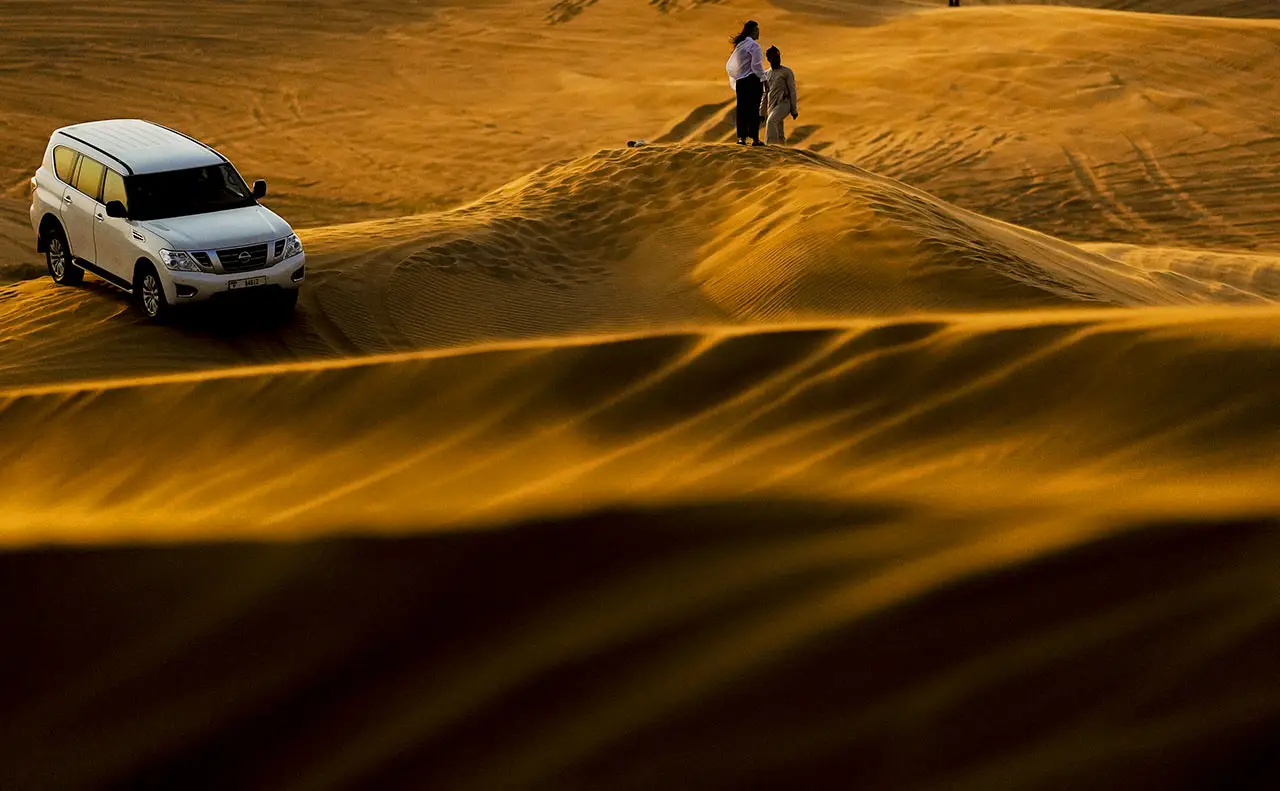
(750, 26)
(774, 56)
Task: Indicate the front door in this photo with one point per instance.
(113, 236)
(80, 207)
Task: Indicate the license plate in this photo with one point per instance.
(247, 282)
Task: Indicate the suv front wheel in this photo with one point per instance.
(148, 293)
(58, 256)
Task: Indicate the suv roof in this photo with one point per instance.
(143, 146)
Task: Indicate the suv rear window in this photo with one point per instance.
(64, 160)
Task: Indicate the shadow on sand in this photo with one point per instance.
(643, 649)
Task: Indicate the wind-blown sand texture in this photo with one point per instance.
(938, 450)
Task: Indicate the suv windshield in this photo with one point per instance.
(178, 193)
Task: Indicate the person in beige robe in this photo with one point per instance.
(779, 99)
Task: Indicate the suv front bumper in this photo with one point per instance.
(184, 287)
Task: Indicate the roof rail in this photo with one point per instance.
(192, 139)
(95, 148)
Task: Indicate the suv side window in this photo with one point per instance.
(113, 189)
(64, 162)
(89, 177)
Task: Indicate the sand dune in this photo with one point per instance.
(1245, 9)
(707, 646)
(629, 241)
(1009, 111)
(690, 237)
(1167, 412)
(1253, 273)
(1048, 118)
(873, 553)
(937, 450)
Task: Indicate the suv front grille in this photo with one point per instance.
(279, 247)
(243, 259)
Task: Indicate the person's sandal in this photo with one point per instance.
(757, 143)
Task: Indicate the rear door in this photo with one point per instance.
(54, 193)
(80, 204)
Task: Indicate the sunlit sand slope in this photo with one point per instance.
(635, 239)
(1086, 124)
(625, 241)
(1146, 413)
(1253, 273)
(630, 240)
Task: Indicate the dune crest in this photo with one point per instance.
(962, 412)
(686, 234)
(667, 236)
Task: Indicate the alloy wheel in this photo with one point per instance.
(150, 294)
(57, 258)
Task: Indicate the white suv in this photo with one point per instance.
(160, 215)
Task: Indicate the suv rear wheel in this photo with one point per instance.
(58, 256)
(148, 293)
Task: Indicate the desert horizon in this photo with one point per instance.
(936, 448)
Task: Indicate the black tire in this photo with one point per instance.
(148, 294)
(57, 256)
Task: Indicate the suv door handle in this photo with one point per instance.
(101, 217)
(66, 198)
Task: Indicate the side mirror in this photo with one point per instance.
(116, 209)
(260, 188)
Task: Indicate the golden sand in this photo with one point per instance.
(937, 450)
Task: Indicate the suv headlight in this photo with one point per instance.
(292, 246)
(179, 261)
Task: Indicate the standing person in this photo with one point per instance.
(779, 98)
(746, 76)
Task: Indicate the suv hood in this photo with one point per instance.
(230, 228)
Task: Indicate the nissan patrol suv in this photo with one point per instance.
(160, 215)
